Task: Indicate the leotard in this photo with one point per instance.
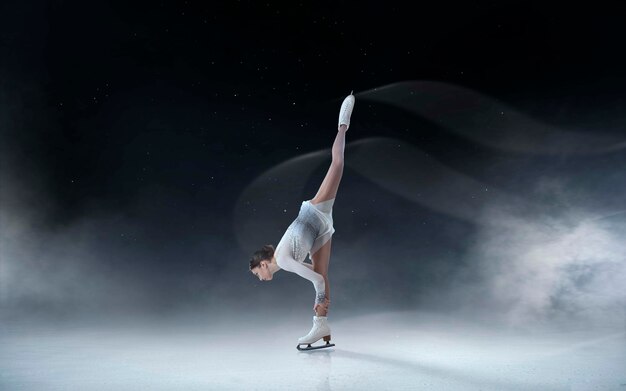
(306, 234)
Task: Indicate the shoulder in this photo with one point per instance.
(281, 259)
(284, 261)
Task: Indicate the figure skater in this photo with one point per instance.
(311, 232)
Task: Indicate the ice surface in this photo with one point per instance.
(385, 351)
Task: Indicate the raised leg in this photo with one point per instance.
(330, 184)
(321, 260)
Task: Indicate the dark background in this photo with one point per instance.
(129, 131)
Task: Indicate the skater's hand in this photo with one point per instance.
(322, 307)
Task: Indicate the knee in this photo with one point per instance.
(337, 162)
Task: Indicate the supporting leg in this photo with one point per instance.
(321, 261)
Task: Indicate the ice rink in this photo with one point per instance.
(384, 351)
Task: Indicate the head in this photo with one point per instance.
(260, 262)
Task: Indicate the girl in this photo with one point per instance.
(311, 232)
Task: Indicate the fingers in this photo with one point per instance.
(321, 306)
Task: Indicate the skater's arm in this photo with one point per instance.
(287, 263)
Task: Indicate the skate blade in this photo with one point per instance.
(309, 347)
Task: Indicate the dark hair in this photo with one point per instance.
(265, 253)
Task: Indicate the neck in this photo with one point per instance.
(273, 266)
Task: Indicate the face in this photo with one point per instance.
(263, 271)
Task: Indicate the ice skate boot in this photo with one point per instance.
(346, 110)
(319, 330)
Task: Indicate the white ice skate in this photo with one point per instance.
(346, 110)
(320, 330)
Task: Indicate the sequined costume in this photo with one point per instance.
(305, 235)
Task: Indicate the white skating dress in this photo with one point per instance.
(307, 233)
